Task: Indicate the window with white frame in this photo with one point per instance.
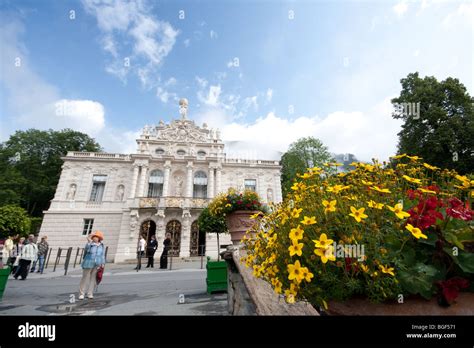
(251, 184)
(200, 185)
(98, 187)
(155, 184)
(88, 224)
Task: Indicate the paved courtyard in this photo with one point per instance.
(123, 291)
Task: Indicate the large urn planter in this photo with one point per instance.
(238, 223)
(412, 306)
(4, 273)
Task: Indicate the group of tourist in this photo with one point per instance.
(150, 249)
(22, 255)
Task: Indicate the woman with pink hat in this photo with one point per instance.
(94, 258)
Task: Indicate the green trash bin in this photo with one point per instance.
(216, 276)
(4, 273)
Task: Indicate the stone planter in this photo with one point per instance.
(4, 273)
(412, 306)
(238, 223)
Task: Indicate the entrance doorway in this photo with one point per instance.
(174, 228)
(148, 229)
(195, 247)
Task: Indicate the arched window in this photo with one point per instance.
(200, 185)
(155, 184)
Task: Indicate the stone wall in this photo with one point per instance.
(248, 295)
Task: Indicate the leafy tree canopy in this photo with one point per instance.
(13, 220)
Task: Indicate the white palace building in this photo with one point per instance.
(178, 168)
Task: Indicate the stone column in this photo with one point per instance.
(189, 181)
(210, 183)
(218, 180)
(185, 234)
(141, 187)
(166, 179)
(277, 195)
(133, 188)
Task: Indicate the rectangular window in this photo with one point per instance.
(200, 191)
(251, 184)
(155, 190)
(88, 224)
(98, 187)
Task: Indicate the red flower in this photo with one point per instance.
(450, 288)
(425, 213)
(458, 211)
(239, 202)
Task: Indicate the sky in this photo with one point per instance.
(266, 73)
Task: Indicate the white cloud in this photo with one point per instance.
(201, 82)
(464, 14)
(212, 98)
(269, 95)
(365, 134)
(152, 40)
(186, 43)
(400, 8)
(213, 34)
(171, 82)
(32, 102)
(164, 95)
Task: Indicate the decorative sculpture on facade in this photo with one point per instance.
(72, 192)
(120, 193)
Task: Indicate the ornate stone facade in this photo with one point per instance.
(177, 169)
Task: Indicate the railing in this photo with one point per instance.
(98, 155)
(249, 161)
(67, 252)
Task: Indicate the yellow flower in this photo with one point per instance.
(398, 210)
(430, 167)
(416, 232)
(296, 233)
(399, 156)
(414, 158)
(295, 272)
(378, 189)
(308, 220)
(296, 212)
(368, 183)
(425, 191)
(365, 268)
(277, 285)
(307, 275)
(254, 216)
(257, 270)
(373, 204)
(306, 175)
(358, 214)
(330, 206)
(412, 180)
(296, 248)
(326, 255)
(323, 241)
(337, 188)
(388, 270)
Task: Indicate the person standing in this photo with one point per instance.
(94, 257)
(164, 254)
(140, 252)
(150, 251)
(7, 250)
(15, 255)
(42, 252)
(28, 254)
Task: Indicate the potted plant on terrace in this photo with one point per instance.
(237, 208)
(399, 234)
(216, 270)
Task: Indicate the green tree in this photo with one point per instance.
(209, 223)
(442, 131)
(13, 220)
(30, 165)
(304, 153)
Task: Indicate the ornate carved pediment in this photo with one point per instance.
(184, 131)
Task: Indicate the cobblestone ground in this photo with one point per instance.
(123, 291)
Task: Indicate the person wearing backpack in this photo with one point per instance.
(94, 258)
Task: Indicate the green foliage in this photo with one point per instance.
(304, 153)
(445, 124)
(30, 165)
(14, 220)
(209, 223)
(226, 203)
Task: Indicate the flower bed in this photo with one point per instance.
(381, 232)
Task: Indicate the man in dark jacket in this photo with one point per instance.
(43, 247)
(150, 251)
